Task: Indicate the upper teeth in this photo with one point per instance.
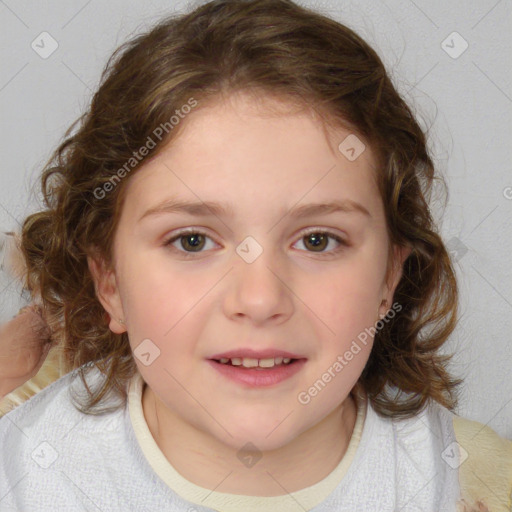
(249, 362)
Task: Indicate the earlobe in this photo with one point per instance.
(383, 309)
(107, 291)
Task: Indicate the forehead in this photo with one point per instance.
(254, 152)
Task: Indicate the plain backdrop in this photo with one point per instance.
(451, 61)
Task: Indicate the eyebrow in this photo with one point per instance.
(205, 208)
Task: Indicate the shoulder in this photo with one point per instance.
(41, 407)
(55, 405)
(29, 433)
(482, 458)
(47, 443)
(485, 472)
(48, 418)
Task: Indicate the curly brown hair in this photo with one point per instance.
(277, 48)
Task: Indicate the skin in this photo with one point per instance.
(22, 352)
(291, 297)
(22, 347)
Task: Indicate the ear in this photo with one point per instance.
(107, 291)
(399, 254)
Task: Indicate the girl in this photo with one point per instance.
(238, 263)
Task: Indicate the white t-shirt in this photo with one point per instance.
(55, 458)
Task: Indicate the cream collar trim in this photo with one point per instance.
(308, 497)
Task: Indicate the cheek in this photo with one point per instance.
(154, 298)
(349, 297)
(168, 307)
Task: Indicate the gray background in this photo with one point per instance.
(464, 102)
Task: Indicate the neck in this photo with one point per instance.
(207, 462)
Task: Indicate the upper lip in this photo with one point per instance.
(268, 353)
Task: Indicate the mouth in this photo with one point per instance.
(251, 371)
(258, 364)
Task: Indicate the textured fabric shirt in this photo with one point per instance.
(54, 458)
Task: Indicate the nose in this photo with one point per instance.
(259, 292)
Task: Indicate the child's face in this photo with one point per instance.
(290, 298)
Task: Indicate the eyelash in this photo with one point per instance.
(192, 231)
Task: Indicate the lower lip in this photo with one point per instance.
(254, 377)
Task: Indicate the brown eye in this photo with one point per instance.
(318, 241)
(192, 242)
(188, 243)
